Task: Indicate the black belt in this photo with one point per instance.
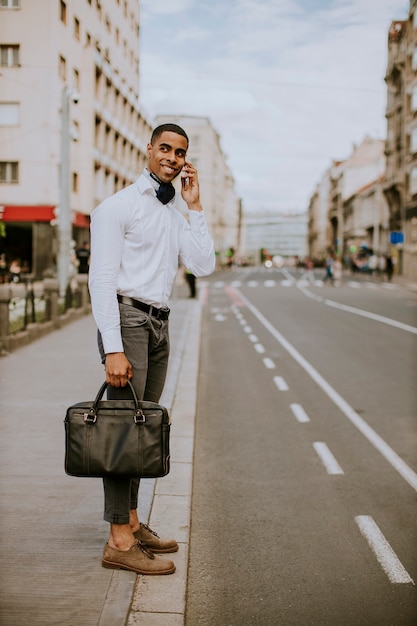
(160, 314)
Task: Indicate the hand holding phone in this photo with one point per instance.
(190, 190)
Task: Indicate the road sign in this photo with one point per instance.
(396, 237)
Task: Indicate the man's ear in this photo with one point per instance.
(148, 150)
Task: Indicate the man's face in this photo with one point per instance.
(166, 157)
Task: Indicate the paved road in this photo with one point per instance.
(305, 471)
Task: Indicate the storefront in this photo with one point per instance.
(28, 235)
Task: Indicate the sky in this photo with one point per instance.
(289, 85)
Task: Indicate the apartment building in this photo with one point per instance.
(217, 186)
(400, 185)
(71, 127)
(348, 208)
(317, 218)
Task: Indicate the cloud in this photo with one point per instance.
(167, 7)
(288, 85)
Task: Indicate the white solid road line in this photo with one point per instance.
(387, 452)
(299, 413)
(372, 316)
(361, 312)
(386, 556)
(327, 458)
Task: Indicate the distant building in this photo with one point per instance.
(348, 208)
(218, 193)
(317, 218)
(400, 186)
(275, 233)
(80, 53)
(371, 197)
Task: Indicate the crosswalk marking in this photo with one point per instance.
(316, 282)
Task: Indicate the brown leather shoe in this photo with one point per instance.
(152, 541)
(137, 559)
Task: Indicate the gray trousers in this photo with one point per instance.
(146, 346)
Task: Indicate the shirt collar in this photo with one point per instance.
(146, 182)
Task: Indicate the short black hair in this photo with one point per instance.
(170, 128)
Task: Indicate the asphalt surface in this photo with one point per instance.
(52, 531)
(292, 485)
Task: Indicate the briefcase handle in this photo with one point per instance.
(91, 416)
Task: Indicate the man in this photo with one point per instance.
(83, 258)
(137, 241)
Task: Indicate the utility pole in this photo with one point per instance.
(64, 216)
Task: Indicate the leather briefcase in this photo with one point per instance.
(119, 438)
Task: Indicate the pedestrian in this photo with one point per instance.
(4, 277)
(389, 266)
(15, 271)
(337, 271)
(137, 239)
(329, 269)
(83, 258)
(191, 282)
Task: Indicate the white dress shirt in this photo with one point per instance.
(136, 245)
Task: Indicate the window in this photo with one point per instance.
(9, 172)
(9, 55)
(414, 60)
(77, 28)
(75, 182)
(75, 131)
(62, 68)
(413, 141)
(76, 79)
(9, 113)
(63, 12)
(413, 181)
(10, 4)
(413, 102)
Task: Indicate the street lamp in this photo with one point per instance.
(64, 217)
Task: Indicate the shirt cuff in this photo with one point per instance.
(112, 341)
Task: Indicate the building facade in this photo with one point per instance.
(400, 185)
(348, 208)
(69, 85)
(317, 218)
(275, 234)
(371, 197)
(219, 198)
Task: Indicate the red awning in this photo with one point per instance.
(38, 213)
(27, 213)
(81, 220)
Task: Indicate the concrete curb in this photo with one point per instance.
(161, 599)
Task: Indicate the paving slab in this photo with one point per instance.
(51, 528)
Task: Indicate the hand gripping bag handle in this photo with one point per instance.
(92, 413)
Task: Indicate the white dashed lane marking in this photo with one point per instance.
(299, 413)
(327, 458)
(280, 383)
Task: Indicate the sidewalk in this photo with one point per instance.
(51, 530)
